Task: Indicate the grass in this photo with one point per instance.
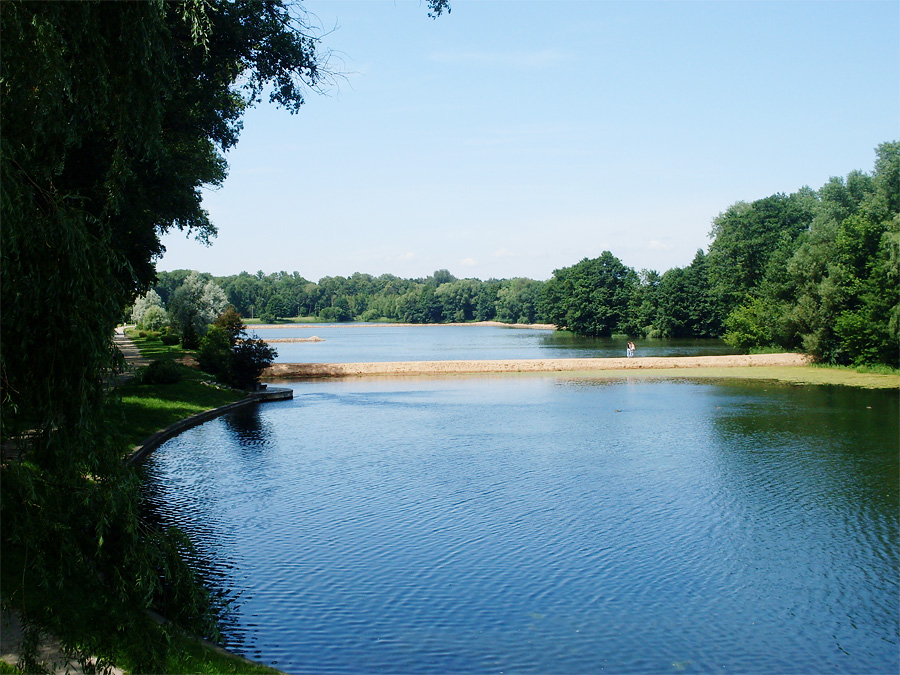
(146, 409)
(876, 369)
(814, 374)
(196, 657)
(188, 655)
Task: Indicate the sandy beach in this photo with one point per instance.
(306, 370)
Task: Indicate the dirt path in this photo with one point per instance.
(50, 653)
(304, 370)
(133, 357)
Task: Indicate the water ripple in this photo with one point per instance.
(516, 525)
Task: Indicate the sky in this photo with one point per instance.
(512, 138)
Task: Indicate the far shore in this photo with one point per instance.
(349, 324)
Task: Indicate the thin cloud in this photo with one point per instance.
(657, 245)
(468, 262)
(503, 253)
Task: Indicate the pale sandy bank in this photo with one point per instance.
(314, 338)
(497, 324)
(305, 370)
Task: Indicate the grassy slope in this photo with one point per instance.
(149, 408)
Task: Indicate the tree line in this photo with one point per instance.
(815, 271)
(439, 298)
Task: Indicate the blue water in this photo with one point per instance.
(541, 524)
(360, 342)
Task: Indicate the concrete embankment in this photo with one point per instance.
(313, 370)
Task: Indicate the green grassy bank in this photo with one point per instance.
(864, 378)
(147, 408)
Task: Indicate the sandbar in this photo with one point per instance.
(306, 370)
(495, 324)
(795, 369)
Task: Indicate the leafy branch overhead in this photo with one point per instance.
(114, 117)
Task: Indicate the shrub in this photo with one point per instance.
(169, 339)
(214, 356)
(250, 356)
(154, 318)
(335, 314)
(160, 372)
(189, 337)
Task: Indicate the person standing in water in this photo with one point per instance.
(629, 350)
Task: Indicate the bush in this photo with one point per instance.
(189, 337)
(248, 359)
(169, 339)
(154, 318)
(335, 314)
(160, 372)
(214, 356)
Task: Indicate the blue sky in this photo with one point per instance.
(511, 138)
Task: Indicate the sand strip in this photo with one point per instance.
(306, 370)
(311, 324)
(314, 338)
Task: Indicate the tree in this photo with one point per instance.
(195, 305)
(457, 299)
(746, 236)
(686, 305)
(518, 300)
(232, 323)
(831, 288)
(214, 354)
(114, 116)
(144, 305)
(846, 269)
(592, 297)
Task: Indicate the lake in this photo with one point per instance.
(544, 524)
(362, 342)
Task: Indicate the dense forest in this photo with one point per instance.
(815, 271)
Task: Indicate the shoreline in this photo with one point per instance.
(316, 370)
(360, 324)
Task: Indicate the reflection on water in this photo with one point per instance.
(351, 343)
(549, 525)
